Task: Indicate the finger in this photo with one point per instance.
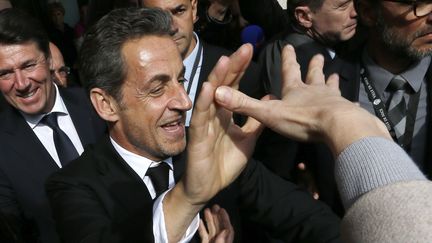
(291, 74)
(239, 61)
(220, 71)
(315, 71)
(202, 113)
(315, 195)
(238, 102)
(203, 232)
(216, 208)
(210, 223)
(301, 166)
(333, 81)
(227, 226)
(222, 237)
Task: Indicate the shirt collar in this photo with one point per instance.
(188, 62)
(414, 74)
(138, 163)
(59, 107)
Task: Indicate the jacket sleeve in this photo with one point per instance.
(287, 212)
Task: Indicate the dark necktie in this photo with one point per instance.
(159, 176)
(397, 108)
(65, 149)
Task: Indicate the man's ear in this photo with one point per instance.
(367, 13)
(303, 15)
(105, 105)
(194, 4)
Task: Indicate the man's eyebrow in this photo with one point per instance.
(160, 77)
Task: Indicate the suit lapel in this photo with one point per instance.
(80, 116)
(122, 182)
(208, 61)
(349, 79)
(26, 144)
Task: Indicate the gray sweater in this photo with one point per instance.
(386, 196)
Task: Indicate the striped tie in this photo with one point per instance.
(397, 107)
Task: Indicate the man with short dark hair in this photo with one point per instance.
(32, 147)
(117, 191)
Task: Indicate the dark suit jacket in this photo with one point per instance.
(25, 164)
(280, 154)
(271, 57)
(322, 161)
(349, 73)
(99, 198)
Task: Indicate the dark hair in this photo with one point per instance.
(314, 5)
(18, 27)
(56, 6)
(101, 62)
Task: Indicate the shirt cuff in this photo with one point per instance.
(159, 229)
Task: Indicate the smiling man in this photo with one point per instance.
(31, 149)
(145, 183)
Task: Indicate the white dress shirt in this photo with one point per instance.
(45, 133)
(140, 165)
(188, 62)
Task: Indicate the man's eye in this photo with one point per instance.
(5, 75)
(29, 67)
(179, 11)
(182, 80)
(157, 91)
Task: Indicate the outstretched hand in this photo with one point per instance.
(312, 110)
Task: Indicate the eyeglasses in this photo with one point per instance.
(420, 8)
(62, 72)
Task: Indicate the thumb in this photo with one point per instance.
(238, 102)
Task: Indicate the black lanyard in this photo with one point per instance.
(195, 67)
(381, 111)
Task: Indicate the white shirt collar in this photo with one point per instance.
(138, 163)
(59, 107)
(188, 62)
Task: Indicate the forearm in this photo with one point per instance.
(179, 212)
(370, 163)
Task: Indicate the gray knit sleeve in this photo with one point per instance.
(370, 163)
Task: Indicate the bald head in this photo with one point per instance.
(57, 66)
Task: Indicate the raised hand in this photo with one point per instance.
(217, 149)
(310, 110)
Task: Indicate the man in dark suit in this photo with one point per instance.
(398, 47)
(111, 193)
(317, 27)
(28, 149)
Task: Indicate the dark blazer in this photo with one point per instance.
(349, 73)
(25, 164)
(280, 154)
(99, 198)
(271, 57)
(319, 156)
